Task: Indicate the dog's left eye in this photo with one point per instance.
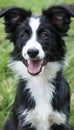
(44, 35)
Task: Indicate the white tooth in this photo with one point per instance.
(28, 62)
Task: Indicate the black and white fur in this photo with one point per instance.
(43, 96)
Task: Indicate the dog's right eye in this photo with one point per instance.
(24, 36)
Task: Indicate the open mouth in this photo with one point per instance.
(34, 66)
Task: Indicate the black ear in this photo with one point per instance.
(60, 17)
(13, 16)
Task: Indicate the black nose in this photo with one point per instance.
(33, 52)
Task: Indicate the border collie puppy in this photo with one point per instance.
(43, 96)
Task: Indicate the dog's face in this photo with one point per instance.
(38, 39)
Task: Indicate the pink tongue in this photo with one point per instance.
(34, 66)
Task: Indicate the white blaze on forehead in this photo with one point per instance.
(34, 24)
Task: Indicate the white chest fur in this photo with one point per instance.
(42, 91)
(43, 116)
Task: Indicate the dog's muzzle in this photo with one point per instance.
(34, 63)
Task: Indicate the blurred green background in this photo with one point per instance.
(7, 79)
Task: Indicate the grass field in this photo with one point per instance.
(7, 79)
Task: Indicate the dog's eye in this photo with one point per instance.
(45, 35)
(24, 36)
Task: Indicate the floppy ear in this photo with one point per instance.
(60, 17)
(13, 16)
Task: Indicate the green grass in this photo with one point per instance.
(7, 79)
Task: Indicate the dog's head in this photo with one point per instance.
(38, 39)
